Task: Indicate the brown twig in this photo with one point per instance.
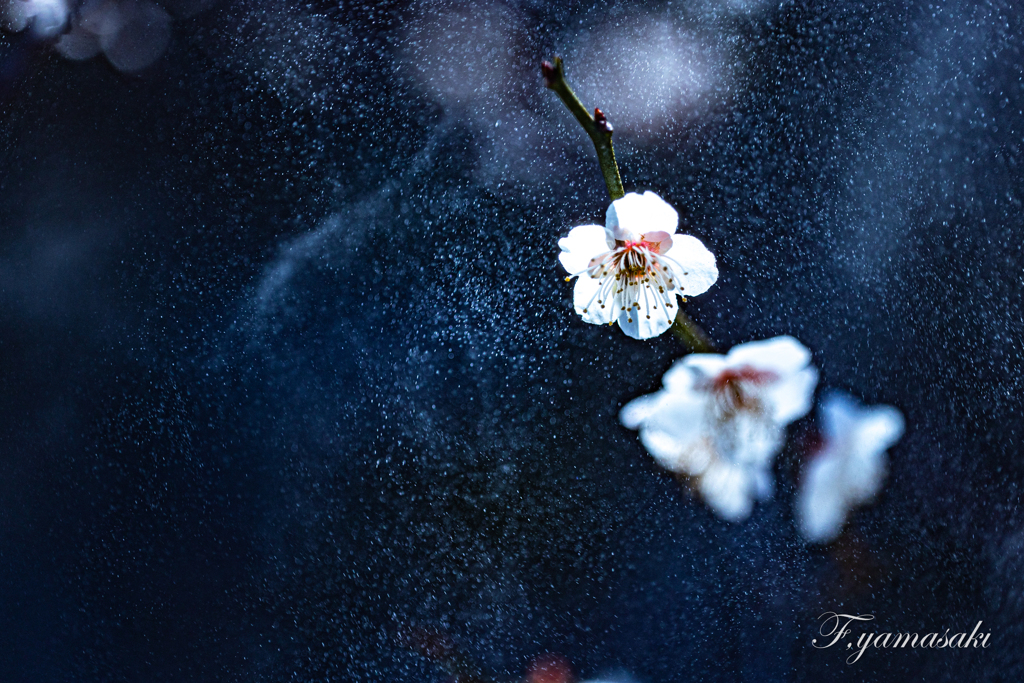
(597, 126)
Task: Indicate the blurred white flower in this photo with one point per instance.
(721, 419)
(849, 469)
(632, 269)
(132, 34)
(46, 17)
(679, 75)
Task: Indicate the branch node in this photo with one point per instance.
(549, 72)
(597, 126)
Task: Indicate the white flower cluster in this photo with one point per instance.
(720, 420)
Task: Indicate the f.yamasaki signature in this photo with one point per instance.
(836, 627)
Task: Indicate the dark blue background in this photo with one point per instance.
(287, 364)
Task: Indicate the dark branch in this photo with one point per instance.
(597, 126)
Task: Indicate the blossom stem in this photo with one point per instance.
(600, 132)
(691, 335)
(597, 126)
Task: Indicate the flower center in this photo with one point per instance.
(633, 258)
(743, 430)
(632, 280)
(737, 389)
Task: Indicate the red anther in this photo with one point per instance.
(743, 374)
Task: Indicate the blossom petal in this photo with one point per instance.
(878, 429)
(860, 428)
(648, 318)
(582, 244)
(881, 427)
(671, 429)
(584, 297)
(663, 448)
(692, 265)
(749, 439)
(782, 355)
(762, 483)
(636, 214)
(839, 413)
(636, 413)
(727, 490)
(659, 240)
(690, 370)
(791, 398)
(687, 458)
(821, 504)
(863, 477)
(682, 416)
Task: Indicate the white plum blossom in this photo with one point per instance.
(721, 419)
(849, 468)
(632, 269)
